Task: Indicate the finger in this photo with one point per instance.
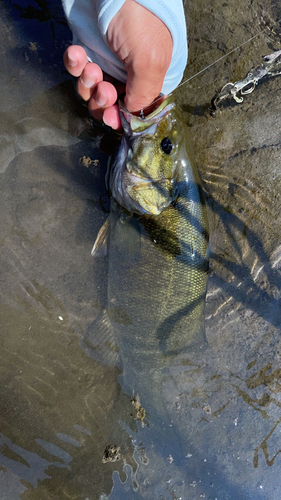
(104, 96)
(111, 117)
(90, 77)
(120, 87)
(75, 59)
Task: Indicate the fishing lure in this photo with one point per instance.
(271, 67)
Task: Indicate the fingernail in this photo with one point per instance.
(101, 99)
(88, 81)
(71, 62)
(106, 122)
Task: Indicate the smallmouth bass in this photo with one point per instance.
(156, 238)
(158, 233)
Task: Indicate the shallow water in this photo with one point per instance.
(60, 406)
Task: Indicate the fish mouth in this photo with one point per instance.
(133, 124)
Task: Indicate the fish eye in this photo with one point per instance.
(166, 145)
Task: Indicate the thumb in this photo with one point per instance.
(146, 69)
(146, 50)
(145, 76)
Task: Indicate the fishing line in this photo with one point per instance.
(220, 59)
(209, 66)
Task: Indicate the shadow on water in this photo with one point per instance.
(250, 293)
(43, 34)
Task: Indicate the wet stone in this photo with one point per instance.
(111, 453)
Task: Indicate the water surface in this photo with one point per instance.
(61, 403)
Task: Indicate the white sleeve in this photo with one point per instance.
(89, 21)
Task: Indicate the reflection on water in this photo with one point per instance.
(215, 430)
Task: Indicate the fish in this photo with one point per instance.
(156, 242)
(158, 218)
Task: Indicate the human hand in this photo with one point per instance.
(145, 46)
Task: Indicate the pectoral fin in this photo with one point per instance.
(126, 238)
(100, 248)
